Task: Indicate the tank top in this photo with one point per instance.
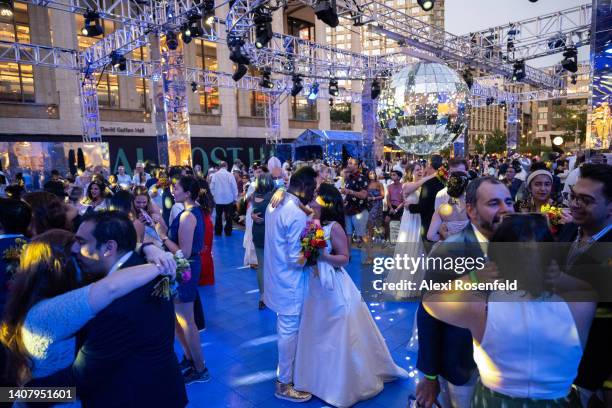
(530, 349)
(198, 233)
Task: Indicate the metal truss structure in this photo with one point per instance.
(287, 55)
(539, 36)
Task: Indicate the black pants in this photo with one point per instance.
(228, 210)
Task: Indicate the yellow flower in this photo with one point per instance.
(320, 234)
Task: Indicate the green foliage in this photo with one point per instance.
(340, 113)
(568, 120)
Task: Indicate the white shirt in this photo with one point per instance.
(284, 277)
(442, 197)
(223, 187)
(571, 179)
(481, 239)
(124, 180)
(136, 179)
(120, 262)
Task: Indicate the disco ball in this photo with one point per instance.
(424, 107)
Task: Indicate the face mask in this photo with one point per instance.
(457, 183)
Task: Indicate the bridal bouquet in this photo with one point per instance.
(312, 240)
(442, 174)
(166, 287)
(554, 215)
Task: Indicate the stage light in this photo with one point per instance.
(263, 27)
(333, 87)
(426, 5)
(171, 40)
(502, 105)
(375, 90)
(533, 1)
(93, 26)
(468, 77)
(558, 141)
(570, 59)
(489, 101)
(240, 71)
(314, 91)
(6, 8)
(518, 72)
(574, 78)
(186, 34)
(297, 85)
(194, 87)
(118, 61)
(266, 81)
(209, 12)
(331, 102)
(325, 10)
(236, 55)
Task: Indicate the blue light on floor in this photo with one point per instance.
(239, 342)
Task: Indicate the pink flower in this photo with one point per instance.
(186, 276)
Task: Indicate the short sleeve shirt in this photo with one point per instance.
(356, 182)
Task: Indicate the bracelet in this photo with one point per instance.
(142, 247)
(431, 377)
(473, 277)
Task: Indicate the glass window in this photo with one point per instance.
(16, 80)
(206, 53)
(340, 112)
(302, 109)
(301, 29)
(108, 84)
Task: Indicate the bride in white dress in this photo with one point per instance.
(409, 238)
(341, 357)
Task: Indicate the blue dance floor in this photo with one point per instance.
(239, 341)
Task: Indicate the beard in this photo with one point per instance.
(490, 226)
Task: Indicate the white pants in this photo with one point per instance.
(457, 396)
(287, 328)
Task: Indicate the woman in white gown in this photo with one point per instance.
(341, 357)
(409, 237)
(250, 257)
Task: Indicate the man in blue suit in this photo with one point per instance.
(445, 351)
(126, 354)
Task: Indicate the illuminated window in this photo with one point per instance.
(108, 84)
(206, 53)
(301, 29)
(301, 109)
(16, 80)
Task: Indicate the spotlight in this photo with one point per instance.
(518, 73)
(533, 1)
(314, 91)
(325, 11)
(426, 5)
(331, 102)
(6, 8)
(333, 87)
(236, 55)
(171, 40)
(574, 79)
(93, 26)
(118, 61)
(265, 81)
(489, 101)
(194, 87)
(263, 27)
(186, 34)
(375, 90)
(570, 59)
(297, 85)
(209, 12)
(502, 105)
(468, 77)
(240, 71)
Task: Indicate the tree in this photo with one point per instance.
(340, 112)
(568, 120)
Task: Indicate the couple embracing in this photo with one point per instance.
(328, 343)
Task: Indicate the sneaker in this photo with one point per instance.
(194, 376)
(287, 392)
(185, 364)
(262, 305)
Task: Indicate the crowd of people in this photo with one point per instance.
(82, 256)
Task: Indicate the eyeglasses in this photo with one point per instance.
(581, 200)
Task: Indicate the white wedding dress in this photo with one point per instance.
(408, 243)
(341, 357)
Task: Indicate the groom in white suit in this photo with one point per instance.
(284, 275)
